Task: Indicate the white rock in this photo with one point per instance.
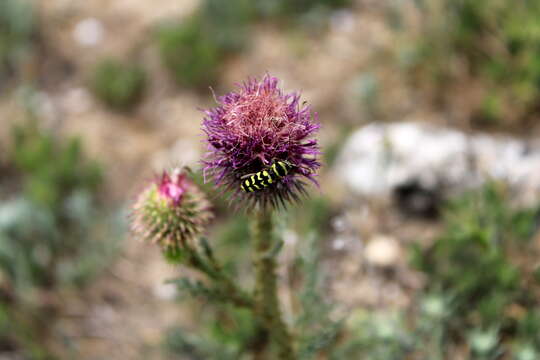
(165, 291)
(339, 243)
(383, 251)
(77, 100)
(89, 32)
(379, 157)
(104, 314)
(343, 21)
(339, 224)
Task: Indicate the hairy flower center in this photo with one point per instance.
(255, 112)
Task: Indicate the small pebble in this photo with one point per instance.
(89, 32)
(382, 251)
(164, 291)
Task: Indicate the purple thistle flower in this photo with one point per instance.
(255, 127)
(171, 212)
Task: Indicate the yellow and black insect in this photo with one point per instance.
(266, 177)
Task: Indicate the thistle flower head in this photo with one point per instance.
(171, 211)
(252, 129)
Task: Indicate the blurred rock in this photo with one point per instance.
(339, 243)
(76, 100)
(343, 21)
(339, 224)
(103, 315)
(89, 32)
(423, 162)
(165, 291)
(382, 251)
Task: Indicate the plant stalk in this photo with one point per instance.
(265, 296)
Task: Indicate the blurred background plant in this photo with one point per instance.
(478, 292)
(117, 84)
(491, 44)
(474, 265)
(195, 49)
(309, 13)
(17, 38)
(52, 235)
(192, 56)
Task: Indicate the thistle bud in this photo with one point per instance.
(171, 212)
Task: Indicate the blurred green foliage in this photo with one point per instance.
(494, 42)
(191, 54)
(17, 27)
(117, 84)
(228, 25)
(50, 171)
(477, 264)
(480, 297)
(375, 336)
(195, 49)
(51, 235)
(317, 327)
(295, 9)
(227, 334)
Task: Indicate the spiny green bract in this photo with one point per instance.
(171, 212)
(118, 85)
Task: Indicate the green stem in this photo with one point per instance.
(236, 295)
(232, 292)
(266, 299)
